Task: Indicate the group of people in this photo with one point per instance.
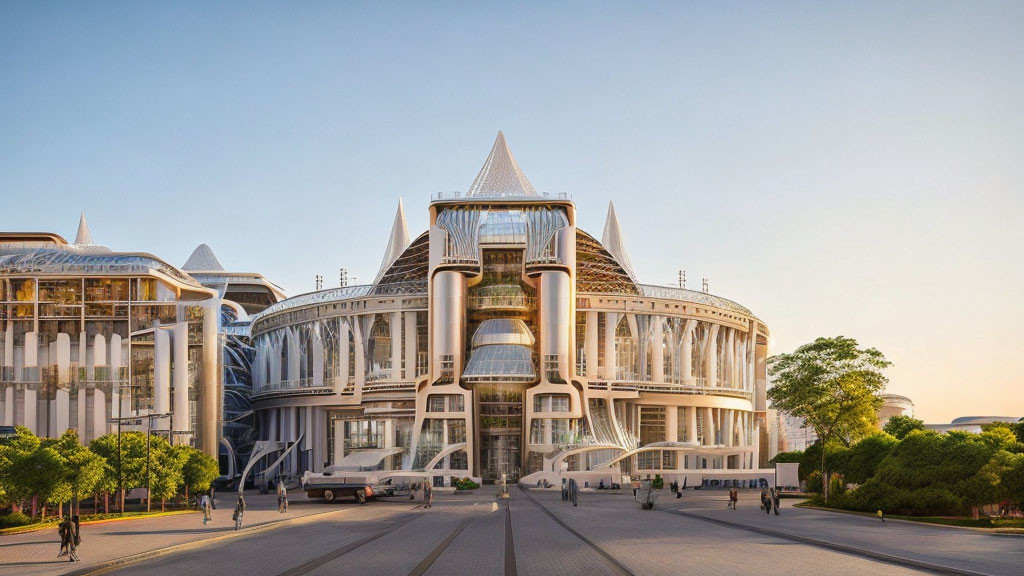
(70, 537)
(571, 491)
(769, 500)
(208, 505)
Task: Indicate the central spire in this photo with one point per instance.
(501, 175)
(84, 236)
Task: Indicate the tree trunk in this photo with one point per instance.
(824, 480)
(121, 496)
(96, 503)
(106, 502)
(35, 505)
(162, 502)
(186, 493)
(43, 517)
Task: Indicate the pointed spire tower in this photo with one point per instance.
(84, 236)
(613, 241)
(501, 175)
(397, 242)
(202, 260)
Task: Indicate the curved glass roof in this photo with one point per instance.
(408, 273)
(73, 261)
(502, 331)
(506, 362)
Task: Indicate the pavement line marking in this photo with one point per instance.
(879, 556)
(615, 564)
(131, 560)
(339, 552)
(427, 562)
(510, 545)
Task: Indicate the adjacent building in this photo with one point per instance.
(506, 341)
(96, 340)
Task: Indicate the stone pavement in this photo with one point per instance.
(537, 534)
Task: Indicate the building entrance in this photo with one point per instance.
(500, 410)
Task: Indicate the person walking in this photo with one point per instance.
(213, 497)
(764, 496)
(574, 492)
(428, 495)
(239, 510)
(734, 497)
(282, 497)
(64, 530)
(775, 499)
(74, 540)
(206, 507)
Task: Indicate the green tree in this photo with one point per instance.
(16, 487)
(1012, 480)
(866, 455)
(198, 471)
(899, 426)
(165, 469)
(834, 386)
(44, 472)
(84, 468)
(132, 461)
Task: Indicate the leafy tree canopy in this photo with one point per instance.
(899, 426)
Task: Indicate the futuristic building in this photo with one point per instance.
(91, 336)
(91, 339)
(506, 340)
(894, 405)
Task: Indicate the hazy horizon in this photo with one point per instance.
(838, 169)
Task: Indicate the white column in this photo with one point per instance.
(115, 369)
(9, 406)
(181, 421)
(161, 371)
(343, 351)
(709, 426)
(687, 353)
(317, 343)
(691, 423)
(610, 320)
(31, 360)
(555, 323)
(591, 344)
(658, 350)
(99, 397)
(410, 345)
(62, 406)
(671, 424)
(711, 357)
(396, 345)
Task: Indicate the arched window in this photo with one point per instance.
(379, 349)
(625, 352)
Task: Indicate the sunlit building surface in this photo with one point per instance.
(92, 339)
(504, 340)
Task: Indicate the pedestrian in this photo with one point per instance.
(213, 497)
(574, 492)
(239, 510)
(734, 498)
(565, 489)
(206, 507)
(74, 540)
(775, 500)
(764, 496)
(64, 530)
(428, 495)
(282, 497)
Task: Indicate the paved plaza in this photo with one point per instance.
(533, 533)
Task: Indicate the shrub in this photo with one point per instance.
(466, 484)
(658, 483)
(15, 519)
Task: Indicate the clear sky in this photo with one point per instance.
(839, 168)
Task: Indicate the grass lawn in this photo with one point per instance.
(1008, 525)
(91, 518)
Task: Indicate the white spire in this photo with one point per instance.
(614, 242)
(84, 237)
(501, 175)
(397, 243)
(202, 259)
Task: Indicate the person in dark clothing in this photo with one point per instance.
(239, 510)
(75, 540)
(574, 491)
(64, 530)
(775, 500)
